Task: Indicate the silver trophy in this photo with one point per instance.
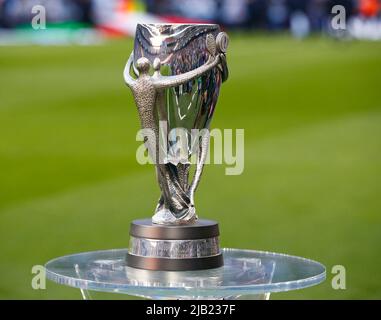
(175, 73)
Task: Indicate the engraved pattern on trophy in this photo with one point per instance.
(193, 60)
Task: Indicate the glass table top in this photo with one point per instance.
(245, 272)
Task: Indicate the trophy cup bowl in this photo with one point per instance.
(175, 72)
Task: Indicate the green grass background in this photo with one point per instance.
(311, 110)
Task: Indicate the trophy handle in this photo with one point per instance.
(163, 82)
(130, 81)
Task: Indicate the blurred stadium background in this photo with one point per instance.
(307, 96)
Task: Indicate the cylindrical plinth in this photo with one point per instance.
(174, 248)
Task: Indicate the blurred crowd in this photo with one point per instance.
(14, 13)
(303, 16)
(263, 14)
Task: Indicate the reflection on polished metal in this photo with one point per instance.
(179, 95)
(189, 66)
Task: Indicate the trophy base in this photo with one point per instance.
(174, 248)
